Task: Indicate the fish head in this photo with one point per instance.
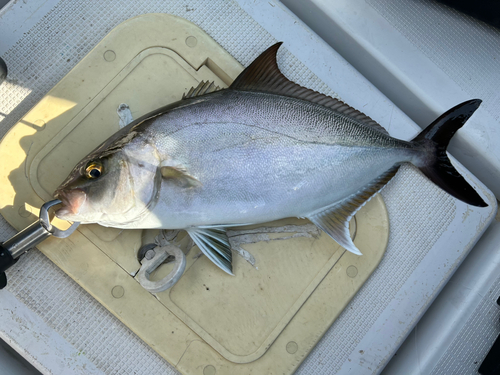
(110, 188)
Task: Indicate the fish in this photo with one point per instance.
(263, 149)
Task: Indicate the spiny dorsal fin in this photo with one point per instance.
(334, 220)
(204, 87)
(264, 75)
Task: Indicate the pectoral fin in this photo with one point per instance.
(334, 219)
(213, 242)
(179, 175)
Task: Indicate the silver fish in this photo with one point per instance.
(261, 150)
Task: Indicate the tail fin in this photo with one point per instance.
(436, 165)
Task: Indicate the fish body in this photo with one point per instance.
(261, 157)
(262, 150)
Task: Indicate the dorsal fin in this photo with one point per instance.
(204, 87)
(264, 75)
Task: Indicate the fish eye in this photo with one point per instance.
(94, 170)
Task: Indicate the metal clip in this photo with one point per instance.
(28, 238)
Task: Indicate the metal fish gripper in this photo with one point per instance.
(29, 237)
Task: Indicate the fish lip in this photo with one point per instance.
(71, 201)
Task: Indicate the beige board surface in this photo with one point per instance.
(292, 280)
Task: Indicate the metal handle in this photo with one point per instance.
(28, 238)
(151, 263)
(37, 232)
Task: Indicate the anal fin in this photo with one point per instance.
(213, 242)
(334, 219)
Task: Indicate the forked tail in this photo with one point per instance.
(435, 163)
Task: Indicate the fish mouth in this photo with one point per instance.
(72, 202)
